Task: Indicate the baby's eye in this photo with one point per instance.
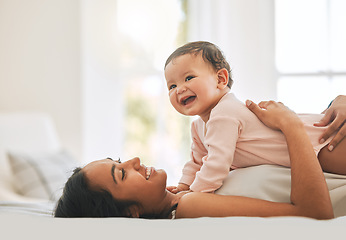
(188, 78)
(172, 86)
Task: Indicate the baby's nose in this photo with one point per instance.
(181, 89)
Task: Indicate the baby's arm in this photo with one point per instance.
(193, 166)
(220, 138)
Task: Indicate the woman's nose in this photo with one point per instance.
(135, 162)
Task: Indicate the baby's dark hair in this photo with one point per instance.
(210, 53)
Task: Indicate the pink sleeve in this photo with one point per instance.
(197, 152)
(221, 138)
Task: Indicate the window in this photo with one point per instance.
(154, 131)
(310, 52)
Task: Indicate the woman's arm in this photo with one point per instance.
(309, 192)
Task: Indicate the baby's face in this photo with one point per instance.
(192, 84)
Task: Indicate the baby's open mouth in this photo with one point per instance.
(188, 100)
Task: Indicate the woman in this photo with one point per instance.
(107, 188)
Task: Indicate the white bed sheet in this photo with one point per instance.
(23, 226)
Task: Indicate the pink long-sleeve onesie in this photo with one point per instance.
(234, 138)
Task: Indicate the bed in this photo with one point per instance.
(28, 195)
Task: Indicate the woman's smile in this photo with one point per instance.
(148, 172)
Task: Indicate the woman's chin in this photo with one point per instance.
(162, 173)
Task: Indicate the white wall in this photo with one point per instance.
(244, 30)
(40, 63)
(60, 57)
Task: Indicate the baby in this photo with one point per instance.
(227, 135)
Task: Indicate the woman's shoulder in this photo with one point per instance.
(199, 204)
(185, 207)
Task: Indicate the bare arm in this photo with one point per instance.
(309, 192)
(335, 117)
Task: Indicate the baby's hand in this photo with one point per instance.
(181, 187)
(172, 189)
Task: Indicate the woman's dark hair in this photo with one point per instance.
(210, 53)
(78, 200)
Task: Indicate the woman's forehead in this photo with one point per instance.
(97, 163)
(96, 171)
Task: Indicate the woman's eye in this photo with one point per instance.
(188, 78)
(172, 86)
(118, 160)
(122, 174)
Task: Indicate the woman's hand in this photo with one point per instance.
(274, 114)
(335, 116)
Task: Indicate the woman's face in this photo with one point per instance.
(129, 180)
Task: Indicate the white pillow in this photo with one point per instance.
(41, 175)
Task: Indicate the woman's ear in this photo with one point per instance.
(134, 211)
(222, 76)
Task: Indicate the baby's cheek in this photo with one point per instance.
(173, 99)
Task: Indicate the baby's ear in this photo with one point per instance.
(222, 76)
